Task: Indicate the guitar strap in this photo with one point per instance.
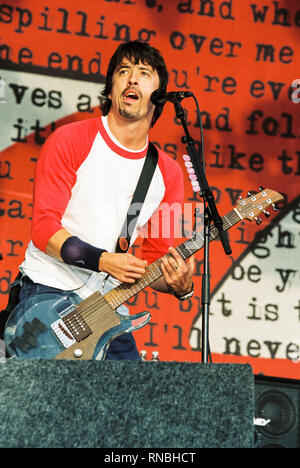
(139, 196)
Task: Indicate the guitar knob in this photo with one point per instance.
(78, 353)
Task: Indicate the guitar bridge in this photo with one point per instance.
(62, 333)
(71, 328)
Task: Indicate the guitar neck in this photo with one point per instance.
(124, 292)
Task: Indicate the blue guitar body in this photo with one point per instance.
(62, 326)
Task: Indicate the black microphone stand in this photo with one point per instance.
(210, 215)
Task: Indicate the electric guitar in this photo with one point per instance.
(63, 326)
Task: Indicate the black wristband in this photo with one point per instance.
(78, 253)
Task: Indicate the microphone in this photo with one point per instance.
(160, 97)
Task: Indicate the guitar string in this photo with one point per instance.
(132, 290)
(92, 311)
(95, 308)
(121, 290)
(230, 219)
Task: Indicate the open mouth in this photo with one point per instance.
(131, 95)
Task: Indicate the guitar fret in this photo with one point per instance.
(112, 299)
(189, 251)
(227, 220)
(123, 292)
(183, 251)
(214, 233)
(126, 291)
(193, 240)
(158, 270)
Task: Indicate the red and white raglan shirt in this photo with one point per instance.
(85, 181)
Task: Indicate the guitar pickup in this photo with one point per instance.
(30, 331)
(77, 325)
(18, 342)
(38, 325)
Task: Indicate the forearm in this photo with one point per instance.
(124, 267)
(74, 251)
(160, 285)
(56, 242)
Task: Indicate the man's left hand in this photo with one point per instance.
(178, 273)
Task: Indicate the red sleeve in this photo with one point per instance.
(62, 154)
(165, 224)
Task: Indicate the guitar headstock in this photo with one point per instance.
(251, 207)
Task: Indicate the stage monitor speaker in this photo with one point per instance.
(122, 404)
(277, 400)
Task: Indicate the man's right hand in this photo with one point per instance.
(124, 267)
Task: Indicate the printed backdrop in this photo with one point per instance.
(240, 59)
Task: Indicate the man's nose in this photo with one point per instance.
(133, 78)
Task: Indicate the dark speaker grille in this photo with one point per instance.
(278, 400)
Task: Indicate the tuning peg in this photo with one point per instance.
(266, 213)
(258, 221)
(261, 189)
(274, 207)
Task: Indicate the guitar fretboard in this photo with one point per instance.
(124, 292)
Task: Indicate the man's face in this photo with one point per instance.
(132, 86)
